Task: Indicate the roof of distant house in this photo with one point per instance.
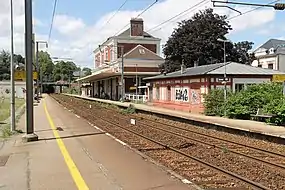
(232, 68)
(277, 45)
(273, 43)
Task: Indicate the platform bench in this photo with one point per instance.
(261, 115)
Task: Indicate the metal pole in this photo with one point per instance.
(225, 74)
(122, 75)
(37, 68)
(30, 136)
(79, 81)
(136, 83)
(13, 127)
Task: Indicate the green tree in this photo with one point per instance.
(64, 71)
(46, 65)
(195, 41)
(5, 58)
(87, 71)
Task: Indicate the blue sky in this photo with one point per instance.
(77, 28)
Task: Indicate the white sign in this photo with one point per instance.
(133, 121)
(182, 94)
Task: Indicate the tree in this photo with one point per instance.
(46, 66)
(64, 71)
(5, 62)
(87, 71)
(195, 41)
(241, 49)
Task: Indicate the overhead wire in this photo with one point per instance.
(108, 21)
(178, 15)
(52, 20)
(249, 11)
(143, 11)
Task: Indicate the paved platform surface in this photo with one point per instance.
(244, 125)
(71, 154)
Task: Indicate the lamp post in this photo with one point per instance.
(13, 125)
(225, 65)
(39, 69)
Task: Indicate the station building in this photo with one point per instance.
(184, 90)
(140, 54)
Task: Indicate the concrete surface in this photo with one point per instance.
(102, 162)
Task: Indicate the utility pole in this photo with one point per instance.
(136, 83)
(12, 67)
(122, 75)
(39, 69)
(29, 136)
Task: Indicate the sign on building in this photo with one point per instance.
(182, 94)
(278, 78)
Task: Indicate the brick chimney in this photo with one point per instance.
(136, 27)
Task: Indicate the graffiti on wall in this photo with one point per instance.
(182, 94)
(195, 96)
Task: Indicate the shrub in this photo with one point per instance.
(246, 102)
(214, 103)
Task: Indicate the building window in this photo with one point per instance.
(239, 87)
(270, 66)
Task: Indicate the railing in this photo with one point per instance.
(136, 98)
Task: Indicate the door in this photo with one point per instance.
(169, 93)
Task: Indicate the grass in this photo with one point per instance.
(5, 107)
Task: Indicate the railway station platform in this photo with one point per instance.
(244, 126)
(72, 154)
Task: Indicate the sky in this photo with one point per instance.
(80, 26)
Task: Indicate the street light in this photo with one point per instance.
(37, 67)
(12, 80)
(225, 65)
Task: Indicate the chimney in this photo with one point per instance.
(137, 27)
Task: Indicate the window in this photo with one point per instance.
(270, 66)
(239, 87)
(141, 51)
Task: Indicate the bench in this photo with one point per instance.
(261, 115)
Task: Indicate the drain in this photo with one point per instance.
(59, 129)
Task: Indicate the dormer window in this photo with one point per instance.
(271, 51)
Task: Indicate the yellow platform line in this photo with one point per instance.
(77, 178)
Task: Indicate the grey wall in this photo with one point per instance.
(281, 60)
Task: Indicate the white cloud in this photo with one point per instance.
(80, 39)
(68, 25)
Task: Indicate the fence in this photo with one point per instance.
(139, 98)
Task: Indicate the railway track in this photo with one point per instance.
(210, 172)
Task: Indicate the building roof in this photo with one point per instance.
(232, 68)
(277, 45)
(272, 43)
(142, 53)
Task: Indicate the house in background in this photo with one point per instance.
(184, 90)
(141, 57)
(271, 55)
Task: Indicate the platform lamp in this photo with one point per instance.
(39, 69)
(225, 65)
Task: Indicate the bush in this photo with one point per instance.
(240, 105)
(246, 102)
(214, 103)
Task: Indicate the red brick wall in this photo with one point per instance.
(128, 47)
(97, 60)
